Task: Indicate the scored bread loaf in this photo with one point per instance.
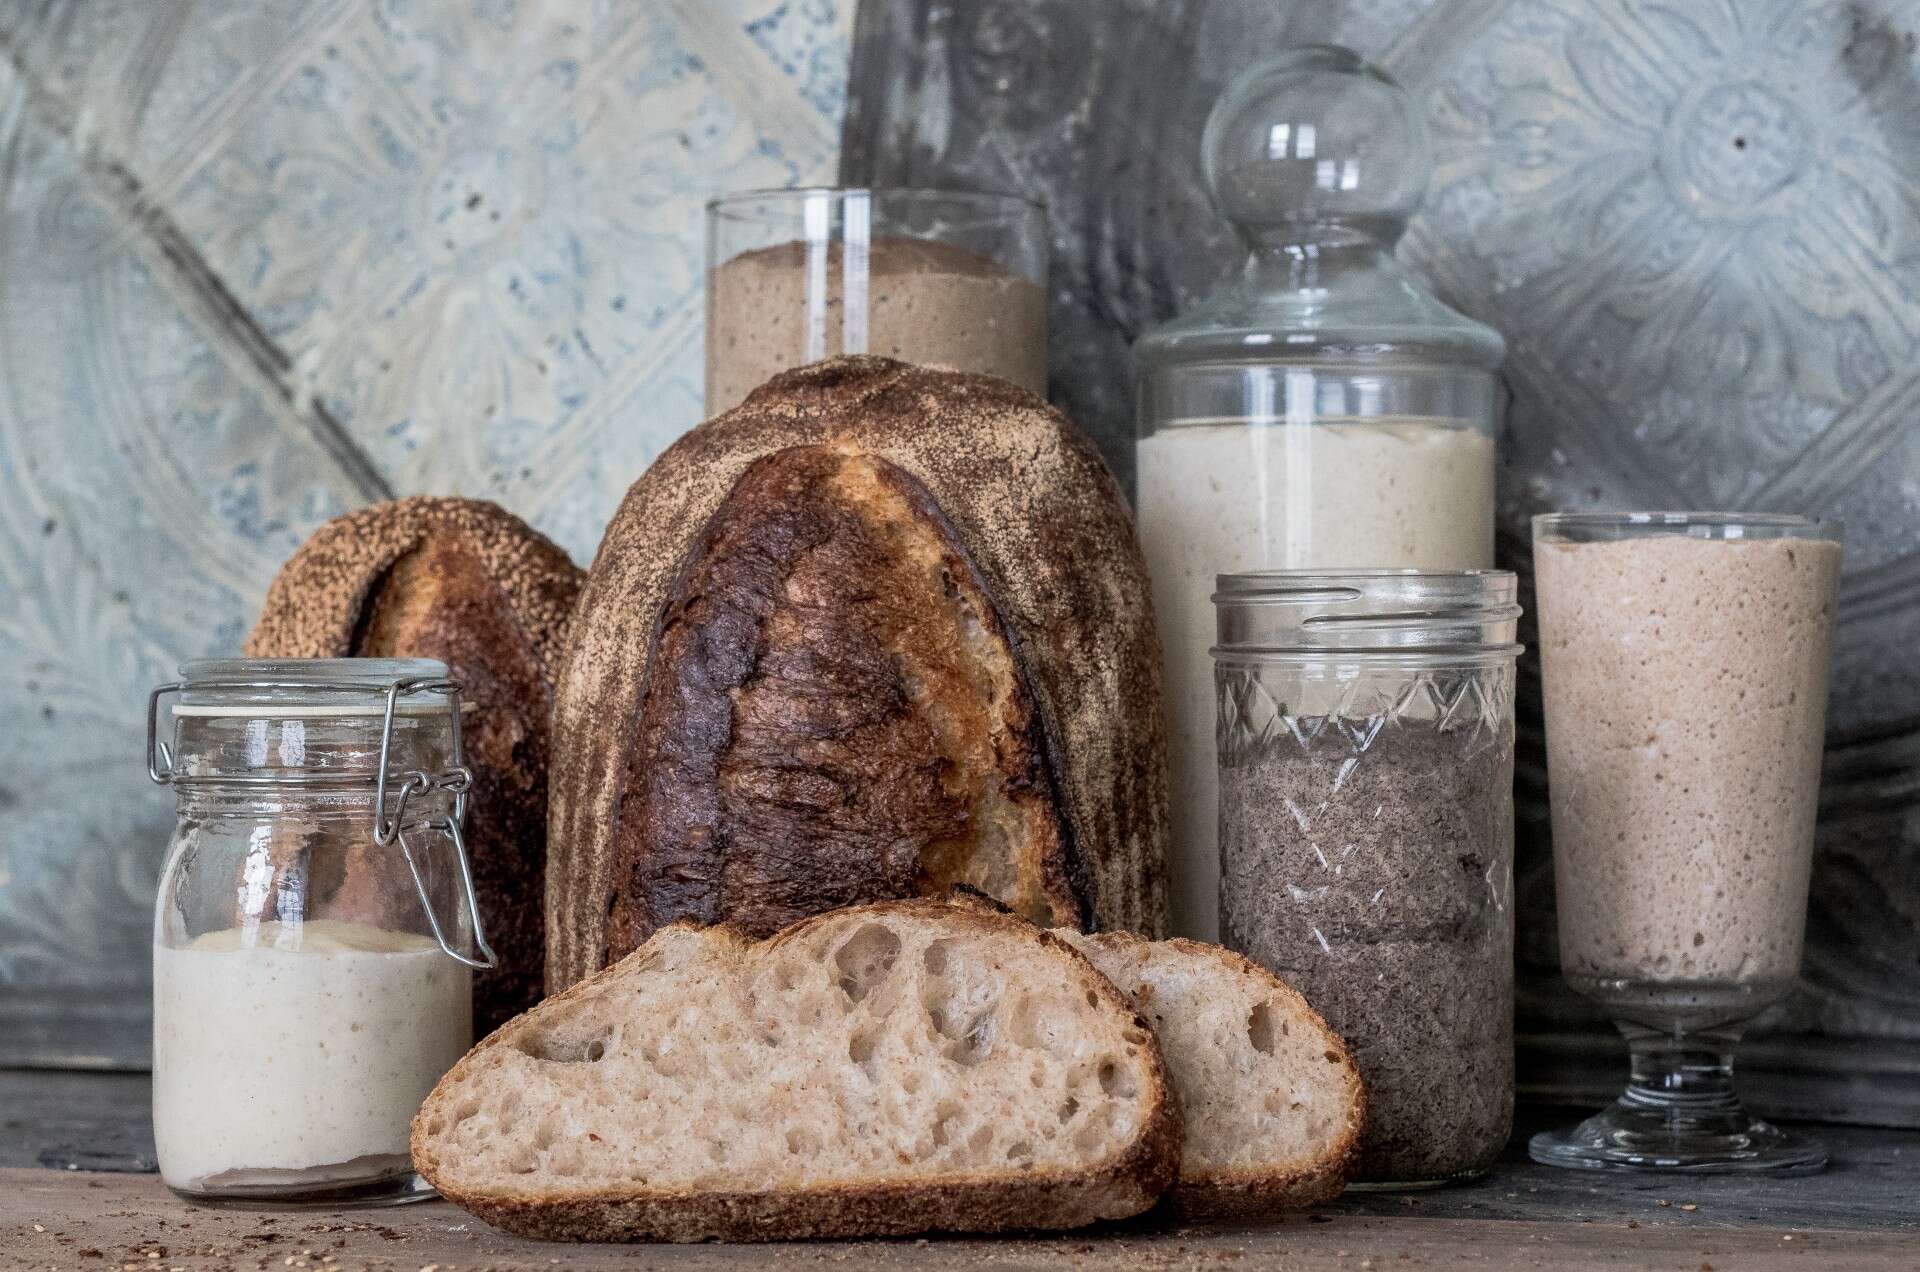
(470, 584)
(880, 1070)
(879, 630)
(1272, 1100)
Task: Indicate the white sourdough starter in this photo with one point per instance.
(1686, 690)
(300, 1059)
(1220, 498)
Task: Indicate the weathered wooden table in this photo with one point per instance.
(59, 1211)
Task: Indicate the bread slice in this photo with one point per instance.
(468, 583)
(878, 1070)
(1273, 1103)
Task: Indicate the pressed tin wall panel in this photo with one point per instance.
(1697, 223)
(261, 263)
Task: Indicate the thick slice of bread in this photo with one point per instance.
(878, 1070)
(1273, 1103)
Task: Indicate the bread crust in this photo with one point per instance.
(1249, 1193)
(1039, 521)
(1127, 1185)
(468, 583)
(815, 731)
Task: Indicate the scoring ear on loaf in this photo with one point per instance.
(468, 583)
(878, 631)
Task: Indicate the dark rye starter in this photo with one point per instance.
(1374, 878)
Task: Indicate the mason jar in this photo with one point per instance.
(1365, 763)
(314, 929)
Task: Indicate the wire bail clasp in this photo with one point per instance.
(456, 780)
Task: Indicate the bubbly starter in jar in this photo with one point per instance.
(1222, 498)
(287, 1055)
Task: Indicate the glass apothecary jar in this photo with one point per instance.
(1365, 744)
(1323, 410)
(314, 929)
(946, 278)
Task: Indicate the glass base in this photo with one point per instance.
(1626, 1138)
(1679, 1113)
(392, 1190)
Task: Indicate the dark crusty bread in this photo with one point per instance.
(467, 583)
(877, 631)
(879, 1070)
(1273, 1102)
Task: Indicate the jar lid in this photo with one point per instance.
(1311, 614)
(310, 688)
(1319, 159)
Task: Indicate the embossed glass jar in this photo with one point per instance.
(1365, 744)
(1322, 410)
(312, 929)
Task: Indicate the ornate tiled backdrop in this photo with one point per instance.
(260, 262)
(1697, 222)
(263, 262)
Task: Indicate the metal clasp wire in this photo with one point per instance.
(488, 960)
(457, 780)
(159, 754)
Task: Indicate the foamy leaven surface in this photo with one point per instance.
(915, 300)
(1686, 686)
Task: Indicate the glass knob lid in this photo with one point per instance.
(1316, 142)
(1319, 160)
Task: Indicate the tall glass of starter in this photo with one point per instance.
(946, 278)
(1684, 660)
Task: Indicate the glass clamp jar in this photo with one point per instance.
(1365, 753)
(312, 930)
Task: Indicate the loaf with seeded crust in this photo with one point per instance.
(468, 583)
(878, 631)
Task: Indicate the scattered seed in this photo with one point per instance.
(1688, 1206)
(1663, 1202)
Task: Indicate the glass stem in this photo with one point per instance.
(1687, 1078)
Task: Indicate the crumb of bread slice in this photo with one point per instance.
(884, 1069)
(1273, 1103)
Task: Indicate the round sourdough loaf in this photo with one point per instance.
(877, 631)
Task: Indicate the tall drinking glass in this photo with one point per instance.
(1685, 666)
(947, 278)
